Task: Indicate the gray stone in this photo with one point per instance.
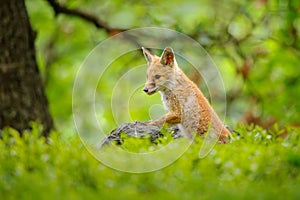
(138, 130)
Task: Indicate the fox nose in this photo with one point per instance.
(146, 90)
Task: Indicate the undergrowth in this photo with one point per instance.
(258, 164)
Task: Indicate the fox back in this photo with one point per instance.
(186, 104)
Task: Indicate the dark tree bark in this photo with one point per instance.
(22, 96)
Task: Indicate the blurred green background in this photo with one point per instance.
(255, 44)
(256, 47)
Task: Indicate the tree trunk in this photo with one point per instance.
(22, 96)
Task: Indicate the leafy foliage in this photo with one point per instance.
(257, 165)
(256, 46)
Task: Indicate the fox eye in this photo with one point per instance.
(157, 76)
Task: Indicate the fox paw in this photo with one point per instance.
(151, 122)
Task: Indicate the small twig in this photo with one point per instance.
(59, 8)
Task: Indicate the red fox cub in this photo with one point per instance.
(186, 104)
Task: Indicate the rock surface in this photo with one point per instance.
(138, 130)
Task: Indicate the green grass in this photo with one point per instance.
(258, 165)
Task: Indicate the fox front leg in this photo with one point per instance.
(170, 118)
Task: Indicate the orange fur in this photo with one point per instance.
(186, 104)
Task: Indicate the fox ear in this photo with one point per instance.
(148, 55)
(167, 57)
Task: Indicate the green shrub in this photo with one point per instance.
(259, 164)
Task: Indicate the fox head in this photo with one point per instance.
(160, 72)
